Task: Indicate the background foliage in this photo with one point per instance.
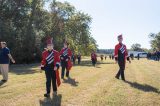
(25, 26)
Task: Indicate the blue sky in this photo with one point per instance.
(135, 19)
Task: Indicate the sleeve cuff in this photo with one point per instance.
(42, 65)
(57, 64)
(69, 57)
(116, 56)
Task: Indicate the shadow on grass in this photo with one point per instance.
(71, 81)
(88, 63)
(24, 69)
(55, 101)
(3, 86)
(97, 67)
(30, 69)
(1, 83)
(145, 87)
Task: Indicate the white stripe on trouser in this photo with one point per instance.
(4, 70)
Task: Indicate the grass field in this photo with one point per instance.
(88, 86)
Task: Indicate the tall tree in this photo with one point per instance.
(155, 41)
(136, 47)
(25, 25)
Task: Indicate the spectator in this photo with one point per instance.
(5, 58)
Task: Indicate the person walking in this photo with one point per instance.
(120, 55)
(5, 57)
(50, 64)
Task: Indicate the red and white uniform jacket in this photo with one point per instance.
(121, 53)
(50, 59)
(66, 53)
(93, 56)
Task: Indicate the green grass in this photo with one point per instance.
(88, 86)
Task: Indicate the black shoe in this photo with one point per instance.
(62, 77)
(124, 80)
(4, 81)
(116, 77)
(68, 77)
(1, 83)
(47, 95)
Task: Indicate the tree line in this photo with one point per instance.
(155, 41)
(26, 24)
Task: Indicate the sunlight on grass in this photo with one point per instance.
(88, 86)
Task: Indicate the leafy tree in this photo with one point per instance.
(136, 47)
(25, 26)
(155, 41)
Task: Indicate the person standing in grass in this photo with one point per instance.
(138, 57)
(79, 58)
(158, 55)
(105, 57)
(101, 57)
(65, 56)
(121, 54)
(5, 58)
(110, 57)
(50, 64)
(94, 58)
(73, 58)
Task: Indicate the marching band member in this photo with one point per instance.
(121, 54)
(65, 56)
(51, 63)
